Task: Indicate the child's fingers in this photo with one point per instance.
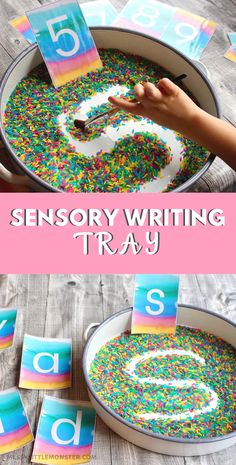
(131, 107)
(139, 92)
(168, 87)
(152, 92)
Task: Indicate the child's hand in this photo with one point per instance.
(169, 106)
(166, 105)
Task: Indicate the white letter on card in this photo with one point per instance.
(1, 427)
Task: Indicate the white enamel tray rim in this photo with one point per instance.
(121, 321)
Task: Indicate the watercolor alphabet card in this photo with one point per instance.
(15, 431)
(187, 32)
(65, 432)
(45, 363)
(7, 327)
(65, 41)
(155, 303)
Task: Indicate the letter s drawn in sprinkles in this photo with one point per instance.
(114, 133)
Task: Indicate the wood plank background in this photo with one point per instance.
(219, 177)
(63, 306)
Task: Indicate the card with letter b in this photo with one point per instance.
(45, 363)
(65, 432)
(155, 303)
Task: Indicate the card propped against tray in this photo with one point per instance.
(65, 432)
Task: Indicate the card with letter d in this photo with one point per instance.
(65, 432)
(155, 303)
(45, 363)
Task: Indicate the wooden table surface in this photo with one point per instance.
(63, 306)
(223, 72)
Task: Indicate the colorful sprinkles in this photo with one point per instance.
(180, 385)
(32, 126)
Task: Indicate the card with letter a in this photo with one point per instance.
(155, 303)
(65, 41)
(65, 432)
(45, 363)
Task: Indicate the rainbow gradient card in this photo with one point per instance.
(7, 327)
(65, 432)
(65, 41)
(15, 431)
(189, 33)
(99, 13)
(155, 303)
(151, 17)
(232, 38)
(45, 363)
(22, 25)
(231, 54)
(185, 31)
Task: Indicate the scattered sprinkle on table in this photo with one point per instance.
(180, 385)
